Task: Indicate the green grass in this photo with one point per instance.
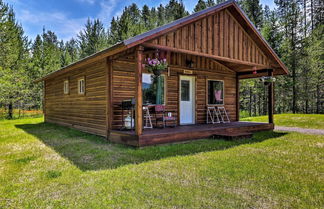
(47, 166)
(314, 121)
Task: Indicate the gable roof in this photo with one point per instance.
(139, 39)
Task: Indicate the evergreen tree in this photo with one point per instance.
(14, 59)
(72, 48)
(253, 9)
(201, 5)
(290, 16)
(161, 15)
(175, 10)
(210, 3)
(146, 16)
(271, 30)
(93, 38)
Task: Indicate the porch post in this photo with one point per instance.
(270, 97)
(237, 97)
(138, 95)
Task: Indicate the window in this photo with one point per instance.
(153, 89)
(216, 92)
(185, 90)
(81, 86)
(66, 87)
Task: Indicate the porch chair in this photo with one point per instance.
(162, 116)
(223, 114)
(212, 115)
(217, 114)
(147, 117)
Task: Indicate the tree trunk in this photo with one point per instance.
(250, 106)
(318, 99)
(10, 111)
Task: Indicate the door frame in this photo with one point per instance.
(194, 99)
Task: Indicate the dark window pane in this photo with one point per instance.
(215, 92)
(185, 90)
(153, 89)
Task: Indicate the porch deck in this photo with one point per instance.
(188, 132)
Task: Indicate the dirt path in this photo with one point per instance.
(300, 130)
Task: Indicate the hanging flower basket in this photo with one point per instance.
(268, 79)
(156, 66)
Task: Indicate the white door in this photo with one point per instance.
(187, 100)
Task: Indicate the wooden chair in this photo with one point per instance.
(162, 116)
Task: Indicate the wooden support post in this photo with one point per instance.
(109, 109)
(237, 98)
(270, 98)
(139, 95)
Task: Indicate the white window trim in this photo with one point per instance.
(223, 92)
(66, 87)
(79, 87)
(165, 89)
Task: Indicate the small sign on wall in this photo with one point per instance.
(188, 72)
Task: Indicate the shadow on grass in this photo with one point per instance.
(90, 152)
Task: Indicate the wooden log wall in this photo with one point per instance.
(219, 34)
(84, 112)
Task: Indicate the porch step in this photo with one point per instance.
(233, 135)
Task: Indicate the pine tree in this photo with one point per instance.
(201, 5)
(14, 59)
(161, 15)
(210, 3)
(175, 10)
(92, 38)
(253, 9)
(72, 48)
(290, 16)
(146, 16)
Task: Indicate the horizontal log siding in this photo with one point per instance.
(204, 69)
(123, 88)
(84, 112)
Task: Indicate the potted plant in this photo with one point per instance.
(156, 66)
(268, 79)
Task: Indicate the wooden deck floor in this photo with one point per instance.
(188, 132)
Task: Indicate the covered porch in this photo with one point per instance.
(201, 76)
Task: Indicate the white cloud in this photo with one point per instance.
(106, 9)
(87, 1)
(58, 22)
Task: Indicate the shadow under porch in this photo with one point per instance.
(187, 132)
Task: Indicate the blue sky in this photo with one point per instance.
(67, 17)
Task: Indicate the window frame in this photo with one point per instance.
(207, 89)
(84, 86)
(165, 89)
(66, 91)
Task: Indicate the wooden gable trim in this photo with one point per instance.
(216, 57)
(263, 41)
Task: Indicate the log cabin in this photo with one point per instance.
(112, 94)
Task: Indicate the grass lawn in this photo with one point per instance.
(314, 121)
(47, 166)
